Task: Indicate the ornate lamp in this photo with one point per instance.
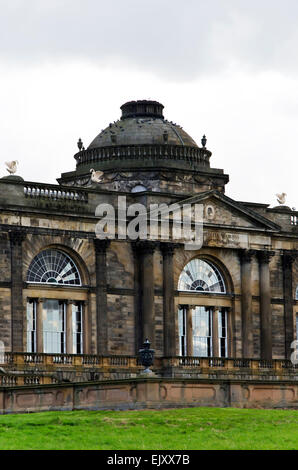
(204, 141)
(146, 356)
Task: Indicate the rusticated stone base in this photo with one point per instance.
(143, 393)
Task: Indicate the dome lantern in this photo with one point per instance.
(142, 108)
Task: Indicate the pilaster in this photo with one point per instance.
(17, 310)
(264, 257)
(170, 316)
(288, 259)
(144, 251)
(101, 247)
(246, 302)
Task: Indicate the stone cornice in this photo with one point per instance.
(46, 231)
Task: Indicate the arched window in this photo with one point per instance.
(53, 267)
(203, 318)
(55, 318)
(202, 276)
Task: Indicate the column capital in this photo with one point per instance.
(191, 307)
(264, 256)
(101, 245)
(144, 246)
(288, 258)
(246, 255)
(168, 248)
(16, 237)
(181, 306)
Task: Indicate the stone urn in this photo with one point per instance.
(146, 357)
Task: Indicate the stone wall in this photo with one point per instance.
(121, 324)
(148, 393)
(5, 317)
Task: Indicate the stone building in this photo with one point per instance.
(66, 294)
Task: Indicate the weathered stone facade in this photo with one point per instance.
(129, 288)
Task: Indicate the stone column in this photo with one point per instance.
(246, 302)
(215, 338)
(101, 295)
(169, 324)
(288, 258)
(17, 307)
(144, 251)
(265, 304)
(69, 327)
(189, 334)
(39, 326)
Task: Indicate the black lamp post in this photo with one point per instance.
(146, 356)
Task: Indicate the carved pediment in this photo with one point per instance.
(221, 211)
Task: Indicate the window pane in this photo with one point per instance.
(53, 267)
(202, 276)
(182, 331)
(77, 328)
(31, 326)
(222, 333)
(53, 326)
(202, 331)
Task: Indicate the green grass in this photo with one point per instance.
(179, 429)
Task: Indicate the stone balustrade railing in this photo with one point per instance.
(42, 359)
(229, 363)
(54, 193)
(125, 362)
(195, 155)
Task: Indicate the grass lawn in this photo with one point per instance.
(179, 429)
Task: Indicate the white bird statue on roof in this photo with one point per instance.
(12, 166)
(281, 198)
(96, 176)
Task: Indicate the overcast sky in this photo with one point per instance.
(226, 68)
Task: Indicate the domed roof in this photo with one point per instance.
(142, 123)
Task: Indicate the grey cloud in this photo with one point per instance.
(177, 39)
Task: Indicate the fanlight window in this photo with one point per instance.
(53, 267)
(201, 276)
